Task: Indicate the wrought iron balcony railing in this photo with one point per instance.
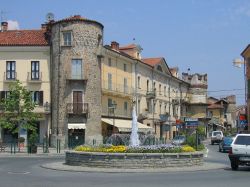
(77, 108)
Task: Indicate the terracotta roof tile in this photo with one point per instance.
(23, 38)
(130, 46)
(152, 61)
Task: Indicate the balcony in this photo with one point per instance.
(117, 90)
(151, 94)
(77, 108)
(10, 76)
(34, 77)
(119, 112)
(79, 77)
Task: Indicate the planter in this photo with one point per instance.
(133, 160)
(32, 149)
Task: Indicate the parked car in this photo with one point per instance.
(179, 140)
(216, 137)
(239, 153)
(225, 144)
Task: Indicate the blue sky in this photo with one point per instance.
(202, 35)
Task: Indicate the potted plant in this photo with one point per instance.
(32, 143)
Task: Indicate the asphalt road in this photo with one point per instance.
(26, 172)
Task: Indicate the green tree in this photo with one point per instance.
(18, 110)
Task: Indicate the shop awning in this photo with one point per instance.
(76, 126)
(126, 125)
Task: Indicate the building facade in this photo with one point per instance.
(25, 56)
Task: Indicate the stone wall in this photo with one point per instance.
(86, 41)
(133, 160)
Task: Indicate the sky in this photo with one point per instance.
(205, 36)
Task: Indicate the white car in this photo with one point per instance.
(239, 154)
(216, 137)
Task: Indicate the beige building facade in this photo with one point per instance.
(30, 64)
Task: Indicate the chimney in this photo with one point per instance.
(4, 26)
(115, 45)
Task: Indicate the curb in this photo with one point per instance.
(60, 166)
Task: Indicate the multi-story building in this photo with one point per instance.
(197, 106)
(25, 56)
(90, 88)
(246, 55)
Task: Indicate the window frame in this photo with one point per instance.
(67, 42)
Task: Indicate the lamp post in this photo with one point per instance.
(47, 111)
(112, 108)
(237, 63)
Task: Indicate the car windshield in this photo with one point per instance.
(216, 133)
(228, 140)
(242, 140)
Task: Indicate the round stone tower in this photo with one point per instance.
(76, 81)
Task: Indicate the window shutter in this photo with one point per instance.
(41, 98)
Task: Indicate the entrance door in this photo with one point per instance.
(77, 102)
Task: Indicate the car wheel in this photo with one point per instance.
(234, 165)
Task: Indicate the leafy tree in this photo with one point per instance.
(18, 110)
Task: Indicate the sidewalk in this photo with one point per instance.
(23, 153)
(63, 167)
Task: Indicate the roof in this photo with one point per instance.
(76, 18)
(129, 46)
(215, 106)
(152, 61)
(23, 38)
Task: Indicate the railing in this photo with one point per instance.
(77, 108)
(34, 76)
(117, 88)
(151, 94)
(81, 76)
(10, 76)
(119, 112)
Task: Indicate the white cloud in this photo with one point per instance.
(13, 25)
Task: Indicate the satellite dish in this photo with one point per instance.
(50, 16)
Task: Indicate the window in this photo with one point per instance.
(35, 75)
(109, 62)
(139, 82)
(125, 108)
(242, 140)
(110, 81)
(160, 109)
(139, 107)
(165, 109)
(147, 85)
(159, 89)
(11, 70)
(159, 68)
(154, 107)
(154, 87)
(76, 71)
(110, 102)
(125, 67)
(67, 38)
(37, 97)
(165, 91)
(125, 81)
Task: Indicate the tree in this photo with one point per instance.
(18, 110)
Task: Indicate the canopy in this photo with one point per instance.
(76, 126)
(126, 125)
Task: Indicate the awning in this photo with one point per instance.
(126, 125)
(76, 126)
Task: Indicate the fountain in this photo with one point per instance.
(134, 137)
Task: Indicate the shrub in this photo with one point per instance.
(187, 148)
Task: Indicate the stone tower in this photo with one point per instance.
(76, 78)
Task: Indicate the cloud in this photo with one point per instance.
(13, 25)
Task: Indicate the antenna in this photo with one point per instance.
(50, 17)
(3, 15)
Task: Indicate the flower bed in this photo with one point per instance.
(163, 148)
(158, 156)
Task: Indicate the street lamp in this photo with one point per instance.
(237, 63)
(112, 107)
(47, 111)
